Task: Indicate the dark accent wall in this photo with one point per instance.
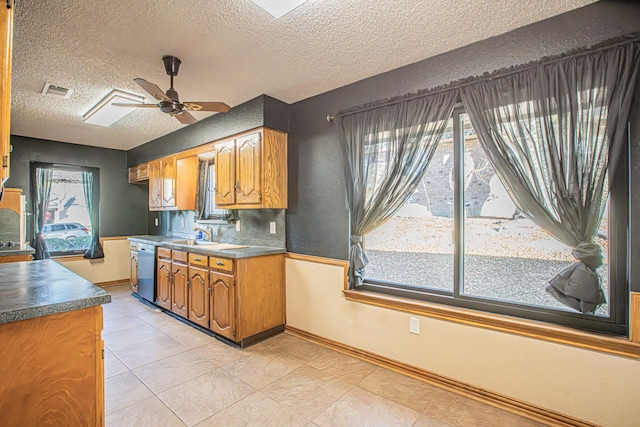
(123, 206)
(317, 219)
(260, 111)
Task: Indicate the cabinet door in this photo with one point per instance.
(222, 317)
(180, 290)
(155, 185)
(134, 271)
(163, 283)
(186, 183)
(199, 296)
(6, 32)
(248, 169)
(168, 181)
(225, 173)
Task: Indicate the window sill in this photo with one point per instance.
(67, 258)
(527, 328)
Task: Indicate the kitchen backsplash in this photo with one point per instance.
(9, 225)
(254, 226)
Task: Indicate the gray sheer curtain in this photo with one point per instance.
(41, 190)
(201, 190)
(552, 132)
(93, 207)
(386, 152)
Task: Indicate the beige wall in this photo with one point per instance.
(114, 266)
(588, 385)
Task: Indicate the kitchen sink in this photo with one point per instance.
(205, 244)
(193, 242)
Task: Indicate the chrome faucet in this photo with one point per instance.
(208, 232)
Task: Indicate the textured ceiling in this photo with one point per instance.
(231, 51)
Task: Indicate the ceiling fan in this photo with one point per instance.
(169, 101)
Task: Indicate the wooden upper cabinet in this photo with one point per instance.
(248, 169)
(225, 166)
(6, 34)
(155, 185)
(168, 166)
(186, 183)
(139, 173)
(251, 171)
(173, 183)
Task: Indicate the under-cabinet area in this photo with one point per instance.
(236, 293)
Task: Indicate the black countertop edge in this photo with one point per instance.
(248, 252)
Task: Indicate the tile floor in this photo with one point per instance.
(161, 372)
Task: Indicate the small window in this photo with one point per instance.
(67, 228)
(208, 195)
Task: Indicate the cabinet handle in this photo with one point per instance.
(197, 260)
(219, 263)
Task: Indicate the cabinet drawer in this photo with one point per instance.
(224, 264)
(180, 256)
(197, 259)
(164, 253)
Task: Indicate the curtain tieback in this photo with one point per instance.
(589, 253)
(355, 239)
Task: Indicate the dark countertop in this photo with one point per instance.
(39, 288)
(248, 252)
(17, 250)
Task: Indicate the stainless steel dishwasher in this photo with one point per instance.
(147, 272)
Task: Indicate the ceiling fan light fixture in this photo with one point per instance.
(278, 8)
(105, 114)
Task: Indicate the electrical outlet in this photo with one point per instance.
(414, 325)
(272, 227)
(157, 222)
(238, 225)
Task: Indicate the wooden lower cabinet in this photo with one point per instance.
(222, 304)
(134, 271)
(199, 296)
(240, 299)
(163, 283)
(52, 370)
(180, 289)
(15, 258)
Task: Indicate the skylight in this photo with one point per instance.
(278, 8)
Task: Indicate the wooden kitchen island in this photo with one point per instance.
(51, 349)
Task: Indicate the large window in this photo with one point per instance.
(67, 207)
(461, 240)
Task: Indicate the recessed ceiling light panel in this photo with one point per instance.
(278, 8)
(105, 114)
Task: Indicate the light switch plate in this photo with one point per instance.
(238, 225)
(156, 222)
(272, 227)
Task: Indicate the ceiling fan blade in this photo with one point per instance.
(153, 90)
(185, 118)
(219, 107)
(121, 104)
